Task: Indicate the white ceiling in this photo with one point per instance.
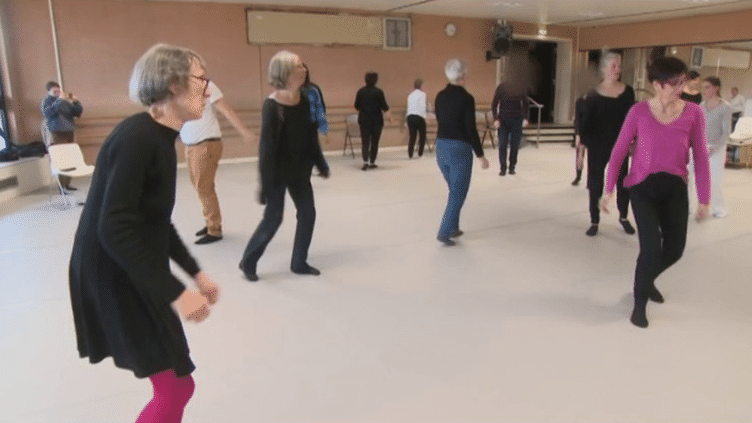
(566, 12)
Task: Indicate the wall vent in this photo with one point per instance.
(397, 34)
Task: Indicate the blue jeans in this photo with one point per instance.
(455, 160)
(510, 132)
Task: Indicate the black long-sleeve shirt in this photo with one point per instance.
(370, 104)
(120, 279)
(288, 143)
(600, 121)
(455, 114)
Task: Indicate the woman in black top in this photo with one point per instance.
(288, 150)
(602, 115)
(122, 290)
(691, 91)
(371, 104)
(456, 139)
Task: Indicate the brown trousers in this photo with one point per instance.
(203, 161)
(63, 138)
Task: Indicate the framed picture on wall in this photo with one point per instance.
(696, 61)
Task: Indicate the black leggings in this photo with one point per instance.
(595, 175)
(661, 210)
(301, 193)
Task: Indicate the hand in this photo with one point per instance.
(524, 122)
(324, 137)
(497, 124)
(207, 287)
(192, 305)
(324, 173)
(703, 212)
(483, 162)
(605, 202)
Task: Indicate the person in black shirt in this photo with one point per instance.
(456, 139)
(288, 150)
(371, 105)
(121, 288)
(600, 119)
(511, 111)
(691, 91)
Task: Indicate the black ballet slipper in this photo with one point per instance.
(628, 228)
(305, 269)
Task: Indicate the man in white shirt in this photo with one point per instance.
(737, 106)
(417, 108)
(203, 149)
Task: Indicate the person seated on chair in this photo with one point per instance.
(59, 109)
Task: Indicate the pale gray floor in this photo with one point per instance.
(526, 320)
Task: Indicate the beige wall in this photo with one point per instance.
(691, 30)
(100, 40)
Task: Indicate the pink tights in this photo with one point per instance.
(171, 394)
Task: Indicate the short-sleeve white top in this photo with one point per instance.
(195, 131)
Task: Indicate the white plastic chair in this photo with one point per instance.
(67, 160)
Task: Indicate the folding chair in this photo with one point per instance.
(67, 160)
(352, 130)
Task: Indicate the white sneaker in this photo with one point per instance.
(720, 215)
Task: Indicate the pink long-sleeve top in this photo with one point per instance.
(662, 147)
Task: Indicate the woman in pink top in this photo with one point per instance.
(663, 130)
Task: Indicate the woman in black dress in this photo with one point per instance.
(600, 119)
(288, 150)
(122, 290)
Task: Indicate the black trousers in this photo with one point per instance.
(596, 175)
(735, 118)
(661, 209)
(510, 133)
(370, 133)
(416, 125)
(301, 192)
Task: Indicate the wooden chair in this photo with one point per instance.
(484, 121)
(431, 128)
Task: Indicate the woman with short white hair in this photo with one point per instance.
(456, 139)
(601, 116)
(288, 150)
(718, 114)
(122, 289)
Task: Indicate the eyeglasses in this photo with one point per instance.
(204, 79)
(675, 82)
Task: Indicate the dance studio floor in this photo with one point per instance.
(525, 320)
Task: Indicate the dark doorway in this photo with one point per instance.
(541, 57)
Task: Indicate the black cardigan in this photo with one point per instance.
(281, 155)
(120, 280)
(455, 114)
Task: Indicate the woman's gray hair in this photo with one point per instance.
(455, 69)
(281, 67)
(160, 67)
